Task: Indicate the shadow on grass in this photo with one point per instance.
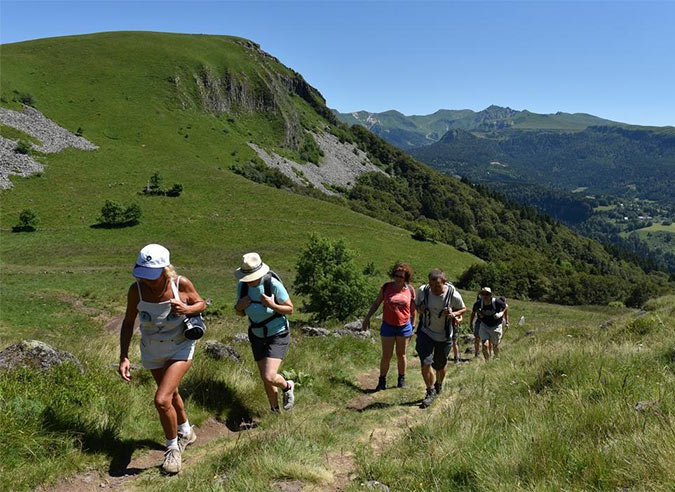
(94, 439)
(221, 399)
(380, 405)
(351, 385)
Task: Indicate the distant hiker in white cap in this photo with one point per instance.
(263, 298)
(440, 305)
(489, 313)
(162, 300)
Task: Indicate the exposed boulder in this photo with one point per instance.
(312, 331)
(219, 351)
(354, 325)
(37, 355)
(365, 335)
(240, 338)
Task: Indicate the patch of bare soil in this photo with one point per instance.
(120, 478)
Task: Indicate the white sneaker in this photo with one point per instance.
(172, 461)
(185, 440)
(289, 396)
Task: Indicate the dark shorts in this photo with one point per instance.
(387, 330)
(274, 347)
(432, 353)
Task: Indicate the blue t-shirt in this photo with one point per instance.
(258, 312)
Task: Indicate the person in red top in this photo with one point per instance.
(398, 318)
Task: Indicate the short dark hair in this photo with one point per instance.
(400, 266)
(437, 273)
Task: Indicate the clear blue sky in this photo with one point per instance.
(612, 59)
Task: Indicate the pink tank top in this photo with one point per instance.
(396, 310)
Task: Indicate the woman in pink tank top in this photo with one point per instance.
(398, 318)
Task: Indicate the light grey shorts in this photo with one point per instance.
(155, 353)
(493, 334)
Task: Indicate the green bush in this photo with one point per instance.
(22, 147)
(327, 275)
(27, 99)
(154, 187)
(113, 214)
(310, 151)
(28, 221)
(424, 233)
(175, 190)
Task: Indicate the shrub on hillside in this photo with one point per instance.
(310, 151)
(113, 214)
(28, 221)
(154, 187)
(256, 170)
(424, 233)
(22, 147)
(26, 98)
(327, 275)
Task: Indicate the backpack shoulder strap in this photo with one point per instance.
(411, 290)
(267, 284)
(243, 291)
(174, 289)
(138, 285)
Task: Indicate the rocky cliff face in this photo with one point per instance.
(265, 91)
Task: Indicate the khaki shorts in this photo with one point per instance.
(494, 334)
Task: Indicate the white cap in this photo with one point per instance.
(486, 291)
(151, 262)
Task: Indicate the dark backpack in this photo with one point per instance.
(267, 289)
(450, 322)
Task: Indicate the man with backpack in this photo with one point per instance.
(439, 305)
(489, 314)
(263, 298)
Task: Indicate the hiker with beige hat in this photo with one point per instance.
(263, 298)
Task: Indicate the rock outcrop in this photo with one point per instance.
(53, 139)
(35, 354)
(341, 164)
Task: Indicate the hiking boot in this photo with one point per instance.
(381, 383)
(289, 395)
(172, 461)
(429, 398)
(401, 381)
(438, 387)
(184, 440)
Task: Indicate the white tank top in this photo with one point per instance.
(156, 319)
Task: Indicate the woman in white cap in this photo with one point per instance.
(162, 300)
(264, 299)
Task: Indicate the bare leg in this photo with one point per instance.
(168, 379)
(387, 352)
(440, 375)
(401, 346)
(476, 346)
(455, 350)
(429, 376)
(272, 380)
(486, 349)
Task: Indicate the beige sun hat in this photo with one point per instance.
(252, 268)
(486, 290)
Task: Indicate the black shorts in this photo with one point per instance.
(431, 352)
(274, 347)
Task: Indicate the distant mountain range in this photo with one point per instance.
(407, 132)
(562, 150)
(574, 167)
